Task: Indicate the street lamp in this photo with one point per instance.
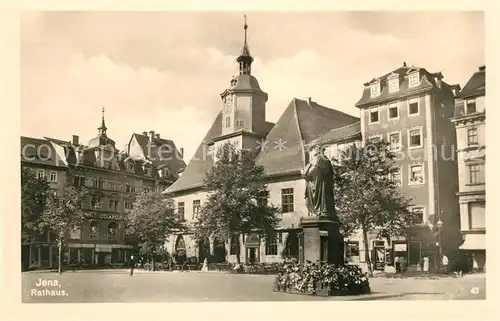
(439, 226)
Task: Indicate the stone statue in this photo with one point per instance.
(319, 185)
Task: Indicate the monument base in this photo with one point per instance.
(321, 240)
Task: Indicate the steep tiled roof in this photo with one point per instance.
(427, 82)
(299, 124)
(200, 163)
(39, 151)
(338, 134)
(476, 86)
(159, 155)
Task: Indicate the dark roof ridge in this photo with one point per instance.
(296, 117)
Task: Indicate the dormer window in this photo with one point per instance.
(130, 167)
(147, 170)
(393, 85)
(413, 79)
(165, 173)
(375, 89)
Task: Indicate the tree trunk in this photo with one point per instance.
(238, 254)
(59, 245)
(367, 251)
(153, 263)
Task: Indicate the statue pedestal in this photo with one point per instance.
(321, 240)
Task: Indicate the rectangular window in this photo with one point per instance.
(414, 79)
(53, 177)
(181, 210)
(470, 106)
(96, 201)
(418, 213)
(196, 207)
(228, 122)
(395, 141)
(393, 111)
(271, 244)
(476, 174)
(75, 233)
(128, 188)
(352, 251)
(396, 176)
(393, 85)
(416, 174)
(107, 164)
(374, 116)
(113, 205)
(375, 89)
(477, 219)
(40, 173)
(472, 137)
(415, 138)
(287, 200)
(128, 206)
(413, 107)
(239, 124)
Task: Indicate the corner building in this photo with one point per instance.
(470, 122)
(410, 108)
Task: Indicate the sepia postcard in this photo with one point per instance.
(252, 156)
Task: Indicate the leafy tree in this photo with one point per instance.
(63, 213)
(34, 193)
(367, 199)
(237, 199)
(151, 221)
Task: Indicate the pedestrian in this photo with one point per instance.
(445, 264)
(397, 264)
(426, 265)
(132, 265)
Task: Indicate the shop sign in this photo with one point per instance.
(113, 217)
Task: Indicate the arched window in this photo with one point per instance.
(180, 245)
(94, 229)
(112, 231)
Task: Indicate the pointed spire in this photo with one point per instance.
(245, 59)
(102, 129)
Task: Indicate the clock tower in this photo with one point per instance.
(243, 105)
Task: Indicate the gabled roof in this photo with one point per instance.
(40, 151)
(476, 86)
(300, 123)
(427, 81)
(283, 153)
(158, 154)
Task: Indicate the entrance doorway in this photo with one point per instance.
(415, 252)
(292, 245)
(203, 249)
(252, 255)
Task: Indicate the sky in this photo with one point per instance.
(164, 71)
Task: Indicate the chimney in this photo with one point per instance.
(482, 68)
(145, 133)
(455, 89)
(76, 140)
(181, 151)
(309, 101)
(151, 135)
(157, 135)
(404, 63)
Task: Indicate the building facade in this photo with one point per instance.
(113, 178)
(410, 108)
(281, 149)
(469, 119)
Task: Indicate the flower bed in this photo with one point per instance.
(323, 280)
